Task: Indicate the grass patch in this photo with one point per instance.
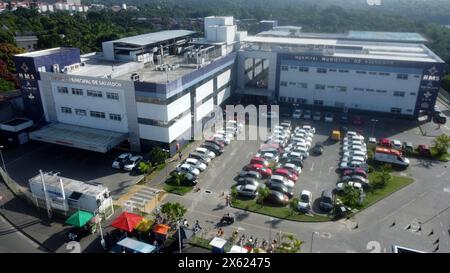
(396, 183)
(279, 212)
(175, 189)
(200, 242)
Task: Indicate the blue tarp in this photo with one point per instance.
(136, 245)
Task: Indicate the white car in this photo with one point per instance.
(206, 152)
(189, 169)
(226, 134)
(304, 136)
(396, 144)
(296, 155)
(282, 180)
(271, 157)
(305, 202)
(309, 128)
(352, 133)
(248, 190)
(223, 138)
(372, 140)
(351, 164)
(235, 124)
(340, 186)
(292, 146)
(120, 160)
(354, 142)
(301, 130)
(196, 164)
(297, 113)
(293, 167)
(347, 148)
(355, 153)
(357, 137)
(353, 158)
(132, 162)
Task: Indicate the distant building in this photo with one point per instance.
(29, 43)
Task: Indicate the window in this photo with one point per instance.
(292, 83)
(321, 70)
(332, 70)
(62, 90)
(370, 90)
(42, 69)
(303, 69)
(283, 83)
(358, 89)
(291, 100)
(343, 70)
(77, 91)
(96, 114)
(331, 86)
(384, 74)
(361, 72)
(115, 117)
(409, 110)
(93, 93)
(293, 67)
(302, 101)
(372, 73)
(399, 94)
(302, 85)
(66, 110)
(417, 76)
(342, 88)
(402, 76)
(80, 112)
(320, 87)
(284, 68)
(381, 91)
(282, 99)
(413, 93)
(318, 102)
(396, 110)
(112, 95)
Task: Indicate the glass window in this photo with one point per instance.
(66, 110)
(332, 70)
(96, 114)
(302, 101)
(384, 74)
(303, 85)
(80, 112)
(321, 70)
(284, 68)
(115, 117)
(402, 76)
(303, 69)
(77, 91)
(399, 93)
(381, 91)
(361, 72)
(283, 83)
(292, 83)
(343, 70)
(372, 73)
(93, 93)
(396, 110)
(412, 93)
(318, 102)
(358, 89)
(63, 90)
(112, 95)
(342, 88)
(320, 87)
(291, 100)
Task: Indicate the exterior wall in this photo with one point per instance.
(223, 95)
(203, 91)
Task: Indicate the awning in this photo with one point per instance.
(161, 229)
(79, 137)
(127, 221)
(136, 245)
(79, 218)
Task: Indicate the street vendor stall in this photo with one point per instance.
(127, 221)
(161, 232)
(82, 225)
(218, 245)
(136, 246)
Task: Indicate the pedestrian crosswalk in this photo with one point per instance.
(143, 198)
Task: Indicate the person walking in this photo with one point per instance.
(180, 155)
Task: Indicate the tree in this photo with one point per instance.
(145, 168)
(157, 156)
(173, 212)
(351, 196)
(263, 193)
(441, 144)
(293, 204)
(289, 244)
(177, 178)
(382, 177)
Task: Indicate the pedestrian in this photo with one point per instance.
(185, 223)
(180, 155)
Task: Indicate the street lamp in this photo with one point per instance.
(1, 155)
(312, 239)
(373, 125)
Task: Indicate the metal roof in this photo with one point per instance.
(155, 37)
(386, 36)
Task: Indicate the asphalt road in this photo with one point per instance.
(13, 241)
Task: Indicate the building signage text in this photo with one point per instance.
(98, 82)
(326, 59)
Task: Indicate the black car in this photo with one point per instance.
(296, 161)
(326, 200)
(440, 118)
(344, 119)
(203, 158)
(278, 198)
(216, 149)
(250, 174)
(318, 149)
(281, 188)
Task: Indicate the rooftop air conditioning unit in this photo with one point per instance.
(135, 77)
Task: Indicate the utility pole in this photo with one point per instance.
(47, 205)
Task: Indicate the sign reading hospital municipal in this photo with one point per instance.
(97, 82)
(327, 59)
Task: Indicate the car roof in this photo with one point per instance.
(277, 177)
(136, 157)
(250, 187)
(305, 192)
(124, 155)
(327, 193)
(191, 160)
(256, 165)
(281, 170)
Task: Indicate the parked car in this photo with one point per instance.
(247, 190)
(352, 165)
(439, 118)
(355, 178)
(355, 153)
(309, 128)
(281, 188)
(396, 144)
(318, 149)
(247, 181)
(215, 141)
(317, 116)
(222, 139)
(286, 173)
(277, 198)
(344, 119)
(205, 151)
(297, 114)
(357, 120)
(217, 150)
(307, 114)
(119, 162)
(305, 202)
(250, 174)
(286, 124)
(359, 172)
(196, 164)
(189, 178)
(341, 185)
(292, 167)
(326, 200)
(132, 163)
(408, 147)
(188, 168)
(424, 150)
(372, 141)
(259, 160)
(294, 161)
(203, 158)
(265, 172)
(282, 180)
(329, 117)
(385, 142)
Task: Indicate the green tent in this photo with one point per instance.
(79, 218)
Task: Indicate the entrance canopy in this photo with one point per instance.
(96, 140)
(137, 246)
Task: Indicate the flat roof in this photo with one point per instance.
(386, 36)
(91, 139)
(70, 184)
(45, 52)
(155, 37)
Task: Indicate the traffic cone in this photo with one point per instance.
(431, 233)
(436, 242)
(393, 224)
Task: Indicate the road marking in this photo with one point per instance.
(395, 211)
(312, 167)
(441, 174)
(329, 170)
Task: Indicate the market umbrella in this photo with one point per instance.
(127, 221)
(79, 218)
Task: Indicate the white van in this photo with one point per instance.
(390, 156)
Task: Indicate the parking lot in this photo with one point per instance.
(25, 162)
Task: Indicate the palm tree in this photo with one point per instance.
(289, 244)
(441, 144)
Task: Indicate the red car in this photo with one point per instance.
(259, 160)
(265, 172)
(359, 172)
(357, 120)
(385, 142)
(286, 173)
(424, 150)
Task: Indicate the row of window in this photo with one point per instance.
(89, 93)
(94, 114)
(337, 104)
(325, 70)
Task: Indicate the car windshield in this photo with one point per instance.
(131, 161)
(326, 199)
(304, 198)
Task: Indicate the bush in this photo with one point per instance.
(157, 156)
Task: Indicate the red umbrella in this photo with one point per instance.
(127, 221)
